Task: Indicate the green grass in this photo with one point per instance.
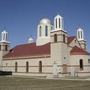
(20, 83)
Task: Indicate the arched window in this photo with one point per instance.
(40, 32)
(6, 47)
(78, 35)
(16, 66)
(0, 47)
(55, 37)
(52, 28)
(81, 34)
(40, 66)
(59, 22)
(46, 30)
(64, 38)
(27, 66)
(4, 35)
(56, 23)
(81, 64)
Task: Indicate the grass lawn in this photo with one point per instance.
(20, 83)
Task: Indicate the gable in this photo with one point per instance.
(72, 41)
(78, 51)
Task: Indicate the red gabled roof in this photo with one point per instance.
(70, 39)
(78, 51)
(28, 50)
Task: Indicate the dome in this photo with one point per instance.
(80, 29)
(30, 40)
(4, 31)
(45, 21)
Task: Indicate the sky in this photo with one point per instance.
(21, 17)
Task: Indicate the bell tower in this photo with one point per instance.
(58, 23)
(80, 38)
(43, 32)
(4, 45)
(59, 43)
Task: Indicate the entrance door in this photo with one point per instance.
(64, 68)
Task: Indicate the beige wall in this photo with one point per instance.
(33, 65)
(74, 65)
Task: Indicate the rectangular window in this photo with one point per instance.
(40, 66)
(59, 23)
(81, 34)
(63, 38)
(56, 23)
(6, 47)
(0, 47)
(81, 64)
(40, 32)
(16, 66)
(88, 60)
(27, 67)
(46, 30)
(55, 38)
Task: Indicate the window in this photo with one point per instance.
(40, 32)
(64, 68)
(88, 60)
(63, 38)
(78, 35)
(81, 64)
(56, 23)
(4, 35)
(40, 66)
(59, 22)
(16, 66)
(75, 41)
(81, 34)
(51, 27)
(0, 47)
(6, 47)
(55, 37)
(46, 30)
(27, 66)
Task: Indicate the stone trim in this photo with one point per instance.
(30, 66)
(82, 72)
(59, 35)
(28, 57)
(58, 31)
(34, 72)
(77, 65)
(58, 42)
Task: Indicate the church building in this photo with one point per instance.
(54, 54)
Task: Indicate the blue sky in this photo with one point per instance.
(21, 17)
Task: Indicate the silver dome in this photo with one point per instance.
(45, 21)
